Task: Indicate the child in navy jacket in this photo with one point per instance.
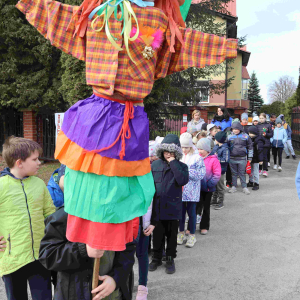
(223, 153)
(258, 157)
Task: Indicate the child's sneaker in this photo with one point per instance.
(219, 206)
(170, 265)
(275, 167)
(198, 219)
(279, 169)
(232, 190)
(265, 173)
(287, 157)
(255, 187)
(294, 156)
(214, 202)
(250, 184)
(142, 293)
(181, 238)
(246, 191)
(191, 241)
(154, 264)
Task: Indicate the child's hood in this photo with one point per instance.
(6, 172)
(211, 156)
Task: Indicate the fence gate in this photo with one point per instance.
(166, 120)
(11, 123)
(46, 134)
(296, 127)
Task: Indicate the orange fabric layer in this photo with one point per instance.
(77, 159)
(103, 236)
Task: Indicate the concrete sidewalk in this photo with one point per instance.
(252, 250)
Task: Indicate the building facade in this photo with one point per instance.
(235, 97)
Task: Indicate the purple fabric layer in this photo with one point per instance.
(95, 123)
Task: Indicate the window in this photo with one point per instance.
(245, 83)
(203, 92)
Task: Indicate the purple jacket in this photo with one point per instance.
(213, 173)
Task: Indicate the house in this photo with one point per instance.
(235, 97)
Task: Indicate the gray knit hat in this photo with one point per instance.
(204, 144)
(244, 116)
(278, 121)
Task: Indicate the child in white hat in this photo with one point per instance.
(191, 191)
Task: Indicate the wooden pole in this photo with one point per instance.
(96, 274)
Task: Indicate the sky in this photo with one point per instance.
(273, 38)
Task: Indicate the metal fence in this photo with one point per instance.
(167, 120)
(11, 123)
(296, 127)
(46, 134)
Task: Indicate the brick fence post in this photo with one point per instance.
(29, 124)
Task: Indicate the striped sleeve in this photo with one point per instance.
(51, 19)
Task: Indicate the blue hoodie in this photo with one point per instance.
(55, 191)
(223, 124)
(223, 154)
(279, 137)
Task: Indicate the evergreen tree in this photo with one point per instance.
(254, 96)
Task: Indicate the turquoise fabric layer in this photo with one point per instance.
(184, 9)
(104, 199)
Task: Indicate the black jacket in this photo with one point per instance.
(75, 268)
(267, 128)
(258, 149)
(169, 178)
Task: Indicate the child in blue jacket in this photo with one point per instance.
(223, 153)
(278, 140)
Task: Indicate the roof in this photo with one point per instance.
(245, 74)
(231, 6)
(245, 56)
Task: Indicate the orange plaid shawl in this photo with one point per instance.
(109, 70)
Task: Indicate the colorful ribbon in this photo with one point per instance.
(111, 6)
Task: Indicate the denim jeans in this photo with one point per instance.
(36, 275)
(190, 208)
(142, 256)
(238, 169)
(254, 176)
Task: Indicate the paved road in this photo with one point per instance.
(252, 250)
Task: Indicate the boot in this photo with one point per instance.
(170, 266)
(255, 187)
(154, 264)
(250, 184)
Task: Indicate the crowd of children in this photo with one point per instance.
(189, 176)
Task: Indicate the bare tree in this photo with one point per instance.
(282, 89)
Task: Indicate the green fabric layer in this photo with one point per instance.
(184, 9)
(104, 199)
